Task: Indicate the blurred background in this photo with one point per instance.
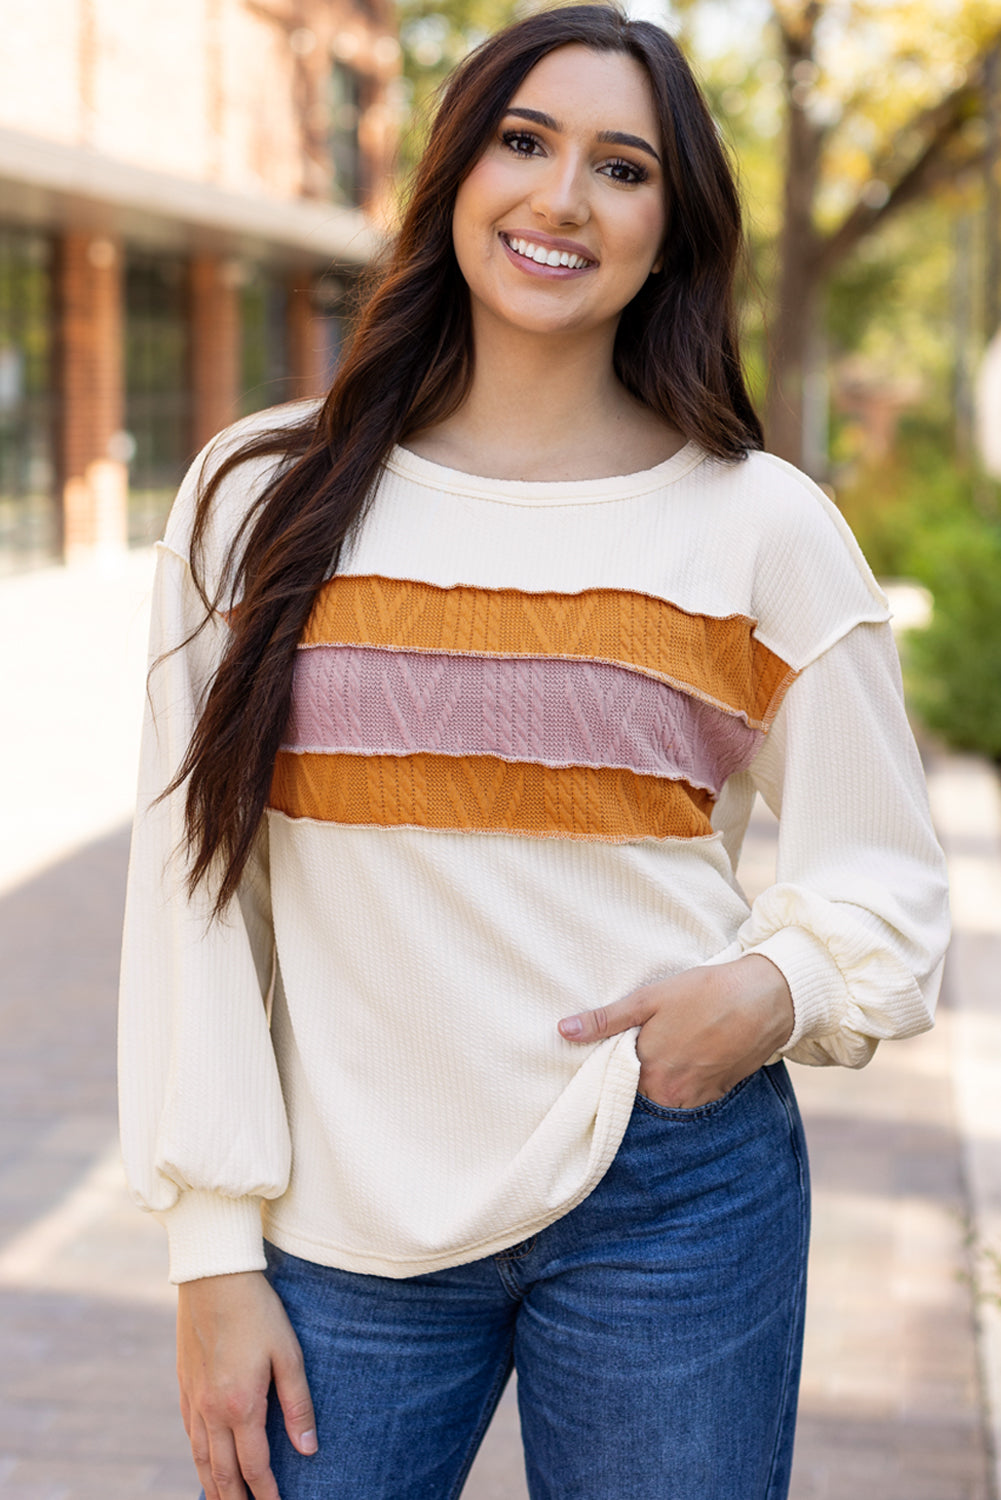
(190, 197)
(188, 200)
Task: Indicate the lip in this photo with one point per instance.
(547, 242)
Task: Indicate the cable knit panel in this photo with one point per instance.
(481, 794)
(601, 715)
(357, 700)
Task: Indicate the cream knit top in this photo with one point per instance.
(528, 723)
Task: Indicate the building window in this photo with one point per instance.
(330, 294)
(157, 388)
(264, 348)
(345, 102)
(29, 518)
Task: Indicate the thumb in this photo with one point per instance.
(607, 1020)
(295, 1401)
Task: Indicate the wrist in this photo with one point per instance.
(200, 1290)
(765, 986)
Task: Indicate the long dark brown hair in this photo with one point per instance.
(410, 364)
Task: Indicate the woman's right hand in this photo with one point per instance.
(233, 1339)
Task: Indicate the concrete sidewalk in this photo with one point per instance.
(902, 1383)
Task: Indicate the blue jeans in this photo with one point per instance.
(656, 1331)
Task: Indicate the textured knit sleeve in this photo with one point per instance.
(204, 1129)
(857, 919)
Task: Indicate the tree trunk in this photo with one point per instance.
(792, 335)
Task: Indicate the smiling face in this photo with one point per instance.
(561, 220)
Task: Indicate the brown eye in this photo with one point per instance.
(624, 171)
(521, 142)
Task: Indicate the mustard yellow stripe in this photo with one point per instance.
(719, 661)
(482, 794)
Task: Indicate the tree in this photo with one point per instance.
(434, 36)
(937, 140)
(883, 106)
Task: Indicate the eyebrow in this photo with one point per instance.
(608, 137)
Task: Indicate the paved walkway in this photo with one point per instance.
(904, 1153)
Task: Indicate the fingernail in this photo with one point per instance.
(572, 1026)
(307, 1443)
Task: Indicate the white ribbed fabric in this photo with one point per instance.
(399, 1099)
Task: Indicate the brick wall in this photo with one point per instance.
(215, 346)
(90, 357)
(232, 93)
(225, 91)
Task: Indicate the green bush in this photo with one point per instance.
(921, 514)
(894, 503)
(954, 666)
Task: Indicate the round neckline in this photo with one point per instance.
(425, 471)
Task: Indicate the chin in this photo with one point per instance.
(551, 319)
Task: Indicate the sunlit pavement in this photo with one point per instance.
(905, 1154)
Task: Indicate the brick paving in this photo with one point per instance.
(892, 1407)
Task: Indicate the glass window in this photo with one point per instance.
(157, 388)
(29, 517)
(345, 102)
(330, 299)
(264, 347)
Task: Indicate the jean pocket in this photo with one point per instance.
(699, 1112)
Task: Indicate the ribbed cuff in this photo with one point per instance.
(209, 1235)
(819, 993)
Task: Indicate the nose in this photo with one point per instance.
(560, 193)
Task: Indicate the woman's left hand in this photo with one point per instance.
(701, 1032)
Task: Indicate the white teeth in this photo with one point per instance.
(545, 257)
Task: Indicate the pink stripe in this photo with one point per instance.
(554, 711)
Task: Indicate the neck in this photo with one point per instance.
(546, 406)
(540, 405)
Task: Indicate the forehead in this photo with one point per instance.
(584, 89)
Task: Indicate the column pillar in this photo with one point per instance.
(215, 346)
(94, 475)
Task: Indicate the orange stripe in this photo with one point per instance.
(482, 794)
(719, 661)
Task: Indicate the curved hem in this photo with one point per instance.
(618, 1096)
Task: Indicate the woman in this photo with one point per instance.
(463, 685)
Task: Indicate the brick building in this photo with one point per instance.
(186, 194)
